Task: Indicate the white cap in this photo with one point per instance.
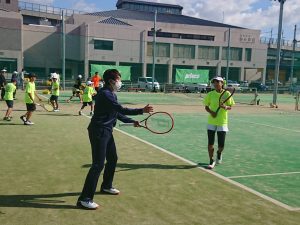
(15, 72)
(217, 78)
(3, 70)
(54, 76)
(79, 76)
(89, 82)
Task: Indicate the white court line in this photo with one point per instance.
(274, 201)
(266, 125)
(262, 175)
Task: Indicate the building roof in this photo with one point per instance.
(161, 17)
(114, 21)
(120, 2)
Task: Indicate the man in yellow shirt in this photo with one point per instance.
(30, 94)
(10, 88)
(217, 122)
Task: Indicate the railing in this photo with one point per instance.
(47, 9)
(273, 41)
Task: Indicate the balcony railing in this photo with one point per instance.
(47, 9)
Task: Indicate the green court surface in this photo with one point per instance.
(262, 149)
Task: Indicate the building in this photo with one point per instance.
(124, 37)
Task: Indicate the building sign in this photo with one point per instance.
(247, 38)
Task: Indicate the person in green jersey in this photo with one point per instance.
(217, 122)
(55, 93)
(10, 88)
(30, 95)
(88, 94)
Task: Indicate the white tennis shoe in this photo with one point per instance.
(219, 158)
(211, 164)
(89, 204)
(112, 191)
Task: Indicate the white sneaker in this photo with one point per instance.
(87, 204)
(112, 191)
(56, 110)
(28, 122)
(211, 164)
(219, 158)
(79, 113)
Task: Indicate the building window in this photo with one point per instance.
(7, 1)
(208, 52)
(235, 54)
(162, 49)
(248, 53)
(103, 45)
(184, 51)
(183, 36)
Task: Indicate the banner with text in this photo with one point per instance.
(192, 76)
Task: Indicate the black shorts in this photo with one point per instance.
(53, 98)
(30, 107)
(221, 137)
(76, 91)
(10, 103)
(87, 103)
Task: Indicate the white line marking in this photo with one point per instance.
(266, 125)
(262, 175)
(274, 201)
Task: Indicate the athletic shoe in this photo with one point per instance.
(89, 204)
(219, 158)
(212, 164)
(91, 113)
(68, 101)
(28, 122)
(23, 118)
(7, 118)
(111, 191)
(56, 110)
(80, 113)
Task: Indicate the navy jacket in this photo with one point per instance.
(107, 110)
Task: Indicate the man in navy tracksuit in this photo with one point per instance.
(107, 111)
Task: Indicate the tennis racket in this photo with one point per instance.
(157, 123)
(46, 106)
(224, 97)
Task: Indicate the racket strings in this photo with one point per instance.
(160, 123)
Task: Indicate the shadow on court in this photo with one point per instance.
(55, 114)
(127, 166)
(11, 124)
(48, 201)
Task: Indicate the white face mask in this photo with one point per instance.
(117, 86)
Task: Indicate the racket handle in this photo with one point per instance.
(126, 124)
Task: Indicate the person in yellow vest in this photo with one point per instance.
(88, 94)
(10, 88)
(217, 122)
(55, 92)
(30, 95)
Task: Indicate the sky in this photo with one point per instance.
(254, 14)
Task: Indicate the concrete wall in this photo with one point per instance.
(12, 6)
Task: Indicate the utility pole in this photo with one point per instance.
(63, 53)
(278, 52)
(154, 50)
(293, 59)
(228, 54)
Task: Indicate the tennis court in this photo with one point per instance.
(43, 167)
(262, 148)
